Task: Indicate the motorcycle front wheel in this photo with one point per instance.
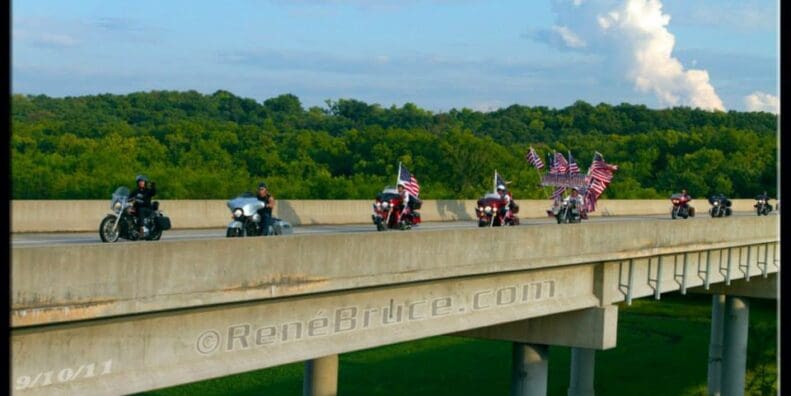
(673, 213)
(233, 232)
(106, 229)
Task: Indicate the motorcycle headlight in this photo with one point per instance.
(256, 217)
(378, 205)
(385, 205)
(716, 203)
(117, 206)
(480, 208)
(675, 202)
(488, 209)
(237, 213)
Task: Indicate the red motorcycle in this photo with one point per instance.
(681, 207)
(493, 211)
(387, 211)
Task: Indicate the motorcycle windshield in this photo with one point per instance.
(247, 202)
(120, 192)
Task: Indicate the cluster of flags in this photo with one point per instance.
(599, 174)
(598, 178)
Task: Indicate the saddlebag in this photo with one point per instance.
(163, 222)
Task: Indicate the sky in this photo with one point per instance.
(437, 54)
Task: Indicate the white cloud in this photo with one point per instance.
(571, 39)
(761, 101)
(633, 36)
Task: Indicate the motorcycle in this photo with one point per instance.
(387, 211)
(122, 223)
(762, 206)
(720, 206)
(246, 220)
(492, 212)
(681, 207)
(567, 212)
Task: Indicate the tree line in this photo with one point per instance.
(215, 146)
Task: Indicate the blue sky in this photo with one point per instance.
(438, 54)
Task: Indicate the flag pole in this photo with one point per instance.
(398, 175)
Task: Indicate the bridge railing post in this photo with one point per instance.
(321, 377)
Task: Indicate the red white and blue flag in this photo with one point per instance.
(561, 165)
(533, 158)
(410, 183)
(573, 167)
(600, 175)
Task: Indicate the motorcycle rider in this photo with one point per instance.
(685, 197)
(142, 200)
(505, 195)
(575, 196)
(265, 212)
(764, 196)
(406, 200)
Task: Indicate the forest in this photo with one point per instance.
(215, 146)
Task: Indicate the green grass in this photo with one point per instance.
(662, 350)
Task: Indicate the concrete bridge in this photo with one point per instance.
(112, 319)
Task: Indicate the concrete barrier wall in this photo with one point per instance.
(72, 282)
(85, 215)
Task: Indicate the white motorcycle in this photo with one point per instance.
(247, 221)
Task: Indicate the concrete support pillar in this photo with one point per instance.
(715, 345)
(529, 369)
(321, 377)
(734, 351)
(582, 368)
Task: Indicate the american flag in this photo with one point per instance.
(573, 167)
(551, 161)
(599, 176)
(410, 183)
(558, 192)
(601, 170)
(533, 158)
(561, 165)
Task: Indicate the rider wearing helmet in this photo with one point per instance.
(265, 212)
(505, 195)
(142, 200)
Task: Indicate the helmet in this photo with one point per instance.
(575, 189)
(401, 184)
(140, 177)
(500, 187)
(262, 185)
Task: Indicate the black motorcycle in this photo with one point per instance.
(122, 223)
(720, 206)
(762, 205)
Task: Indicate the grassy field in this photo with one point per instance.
(662, 350)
